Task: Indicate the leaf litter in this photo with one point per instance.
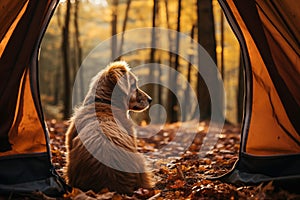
(184, 174)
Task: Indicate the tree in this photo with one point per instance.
(114, 24)
(152, 89)
(206, 38)
(124, 26)
(173, 104)
(171, 96)
(78, 53)
(58, 71)
(187, 91)
(65, 47)
(153, 34)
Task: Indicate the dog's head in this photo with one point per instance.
(119, 85)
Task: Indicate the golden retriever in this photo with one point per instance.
(101, 141)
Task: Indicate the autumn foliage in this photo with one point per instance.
(182, 177)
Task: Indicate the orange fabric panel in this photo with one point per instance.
(284, 53)
(9, 23)
(289, 11)
(17, 54)
(286, 22)
(26, 134)
(9, 11)
(266, 135)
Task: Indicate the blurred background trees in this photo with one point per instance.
(78, 26)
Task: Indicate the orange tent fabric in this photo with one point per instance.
(19, 42)
(25, 163)
(269, 34)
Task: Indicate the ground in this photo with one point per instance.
(183, 176)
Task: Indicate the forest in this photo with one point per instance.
(78, 27)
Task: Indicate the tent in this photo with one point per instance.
(270, 142)
(268, 33)
(25, 162)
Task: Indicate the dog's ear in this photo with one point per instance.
(116, 70)
(118, 73)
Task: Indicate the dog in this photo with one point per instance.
(101, 139)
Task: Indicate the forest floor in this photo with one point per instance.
(184, 176)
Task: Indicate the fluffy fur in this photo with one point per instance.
(98, 127)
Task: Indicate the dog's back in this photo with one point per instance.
(87, 172)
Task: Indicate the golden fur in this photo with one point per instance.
(101, 126)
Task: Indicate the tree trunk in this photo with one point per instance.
(222, 46)
(169, 34)
(206, 28)
(171, 63)
(153, 35)
(187, 91)
(206, 38)
(58, 71)
(174, 105)
(124, 27)
(114, 23)
(152, 89)
(57, 88)
(78, 52)
(66, 64)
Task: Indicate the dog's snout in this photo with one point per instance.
(149, 100)
(139, 101)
